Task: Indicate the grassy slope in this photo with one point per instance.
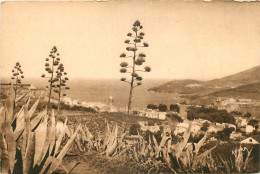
(251, 91)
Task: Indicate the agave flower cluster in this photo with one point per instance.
(51, 63)
(51, 66)
(17, 75)
(61, 80)
(134, 43)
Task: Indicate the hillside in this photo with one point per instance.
(186, 86)
(251, 91)
(196, 87)
(249, 76)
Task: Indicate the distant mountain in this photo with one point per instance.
(245, 77)
(186, 86)
(196, 87)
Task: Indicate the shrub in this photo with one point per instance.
(225, 133)
(211, 114)
(134, 129)
(152, 106)
(248, 114)
(162, 108)
(174, 116)
(205, 126)
(175, 107)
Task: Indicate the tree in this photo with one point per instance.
(162, 108)
(133, 130)
(136, 59)
(152, 106)
(50, 67)
(225, 133)
(17, 76)
(61, 83)
(175, 107)
(176, 117)
(210, 114)
(205, 126)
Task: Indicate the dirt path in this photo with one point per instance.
(95, 163)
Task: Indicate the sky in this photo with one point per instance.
(187, 39)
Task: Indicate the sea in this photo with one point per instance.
(100, 90)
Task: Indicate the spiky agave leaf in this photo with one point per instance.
(27, 130)
(28, 160)
(4, 155)
(21, 97)
(34, 123)
(56, 161)
(247, 159)
(47, 140)
(40, 136)
(20, 119)
(10, 105)
(156, 145)
(114, 143)
(200, 143)
(201, 160)
(52, 137)
(179, 147)
(58, 142)
(8, 133)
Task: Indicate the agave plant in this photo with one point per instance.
(109, 144)
(238, 162)
(32, 143)
(179, 158)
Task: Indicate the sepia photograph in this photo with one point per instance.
(130, 87)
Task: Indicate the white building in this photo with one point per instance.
(155, 114)
(249, 129)
(145, 127)
(249, 140)
(182, 127)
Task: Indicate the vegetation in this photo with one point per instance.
(205, 126)
(175, 108)
(162, 108)
(174, 116)
(136, 59)
(152, 106)
(248, 115)
(134, 129)
(210, 114)
(253, 123)
(224, 134)
(236, 113)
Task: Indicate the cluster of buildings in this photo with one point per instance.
(232, 104)
(151, 113)
(98, 106)
(196, 126)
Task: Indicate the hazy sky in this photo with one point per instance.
(194, 39)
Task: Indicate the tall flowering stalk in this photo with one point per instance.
(61, 83)
(136, 59)
(17, 76)
(51, 65)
